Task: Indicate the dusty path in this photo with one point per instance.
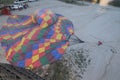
(91, 23)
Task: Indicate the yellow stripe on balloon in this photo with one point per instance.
(49, 12)
(22, 41)
(7, 37)
(33, 19)
(44, 25)
(41, 50)
(19, 45)
(17, 35)
(59, 36)
(9, 53)
(35, 58)
(47, 18)
(46, 44)
(14, 16)
(65, 46)
(57, 31)
(30, 67)
(16, 25)
(31, 34)
(71, 31)
(17, 48)
(27, 22)
(9, 25)
(52, 40)
(57, 27)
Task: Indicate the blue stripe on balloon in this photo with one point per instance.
(28, 55)
(35, 46)
(56, 54)
(21, 63)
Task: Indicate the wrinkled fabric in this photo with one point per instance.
(31, 41)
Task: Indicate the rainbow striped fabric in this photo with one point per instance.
(35, 40)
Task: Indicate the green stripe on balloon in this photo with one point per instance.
(44, 60)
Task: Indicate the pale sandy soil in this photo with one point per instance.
(92, 23)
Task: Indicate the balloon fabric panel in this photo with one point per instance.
(31, 41)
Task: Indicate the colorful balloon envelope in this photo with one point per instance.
(31, 41)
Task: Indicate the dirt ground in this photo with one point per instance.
(92, 23)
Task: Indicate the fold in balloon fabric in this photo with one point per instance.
(35, 40)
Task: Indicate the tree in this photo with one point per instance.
(6, 2)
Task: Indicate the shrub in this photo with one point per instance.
(68, 1)
(115, 3)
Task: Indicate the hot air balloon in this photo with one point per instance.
(31, 41)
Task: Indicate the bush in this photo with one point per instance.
(115, 3)
(68, 1)
(70, 67)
